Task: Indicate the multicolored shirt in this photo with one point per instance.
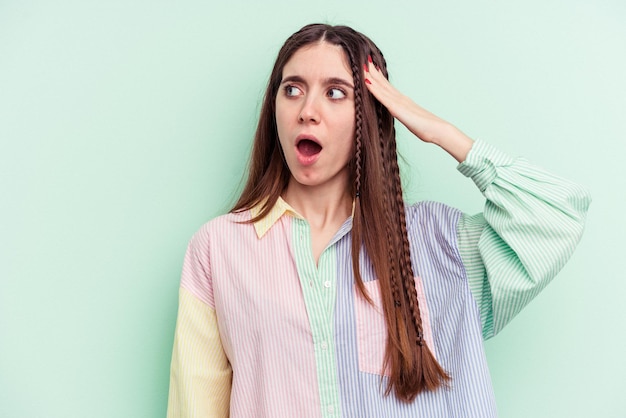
(264, 331)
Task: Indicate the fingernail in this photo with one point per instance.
(365, 68)
(367, 81)
(369, 58)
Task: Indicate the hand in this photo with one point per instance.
(423, 124)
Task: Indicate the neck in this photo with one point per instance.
(320, 206)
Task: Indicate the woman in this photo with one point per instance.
(321, 293)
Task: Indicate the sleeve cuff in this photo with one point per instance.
(482, 162)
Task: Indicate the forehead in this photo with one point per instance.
(319, 59)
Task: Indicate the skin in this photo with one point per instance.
(423, 124)
(317, 98)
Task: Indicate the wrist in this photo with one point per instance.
(454, 142)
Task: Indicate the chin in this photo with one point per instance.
(303, 179)
(307, 182)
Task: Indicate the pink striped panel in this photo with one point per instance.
(262, 319)
(372, 329)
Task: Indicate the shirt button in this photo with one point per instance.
(331, 409)
(327, 283)
(324, 345)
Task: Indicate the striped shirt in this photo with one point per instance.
(264, 331)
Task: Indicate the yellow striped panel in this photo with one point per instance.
(201, 376)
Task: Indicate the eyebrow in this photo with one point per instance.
(326, 81)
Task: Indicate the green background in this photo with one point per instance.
(125, 125)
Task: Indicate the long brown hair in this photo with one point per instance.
(379, 210)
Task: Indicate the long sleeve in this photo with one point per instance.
(200, 375)
(531, 223)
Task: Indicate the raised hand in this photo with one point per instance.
(423, 124)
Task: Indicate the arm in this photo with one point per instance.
(531, 223)
(200, 377)
(423, 124)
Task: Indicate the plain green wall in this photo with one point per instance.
(125, 125)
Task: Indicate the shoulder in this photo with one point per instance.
(221, 227)
(433, 214)
(433, 222)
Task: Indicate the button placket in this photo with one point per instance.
(319, 293)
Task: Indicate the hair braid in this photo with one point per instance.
(395, 358)
(358, 133)
(419, 369)
(388, 154)
(393, 276)
(357, 219)
(390, 161)
(406, 269)
(428, 373)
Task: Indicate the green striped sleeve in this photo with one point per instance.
(531, 224)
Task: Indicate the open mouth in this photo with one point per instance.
(308, 147)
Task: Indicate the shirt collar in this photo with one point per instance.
(280, 208)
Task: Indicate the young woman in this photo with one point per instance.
(322, 294)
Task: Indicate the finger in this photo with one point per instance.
(373, 73)
(366, 74)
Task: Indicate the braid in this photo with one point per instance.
(393, 274)
(418, 369)
(406, 269)
(357, 219)
(395, 287)
(392, 177)
(358, 133)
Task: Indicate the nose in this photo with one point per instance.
(309, 113)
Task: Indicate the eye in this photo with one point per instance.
(291, 91)
(336, 93)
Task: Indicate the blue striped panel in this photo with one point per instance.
(454, 320)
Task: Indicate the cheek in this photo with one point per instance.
(279, 118)
(347, 129)
(346, 146)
